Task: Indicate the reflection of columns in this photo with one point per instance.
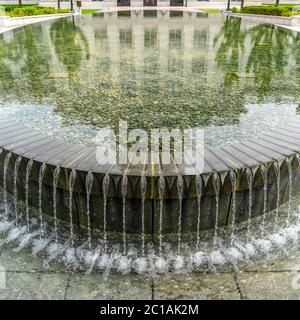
(211, 68)
(114, 48)
(138, 43)
(187, 47)
(90, 30)
(163, 49)
(55, 64)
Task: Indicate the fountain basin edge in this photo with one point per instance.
(279, 146)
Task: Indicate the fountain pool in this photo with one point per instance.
(62, 81)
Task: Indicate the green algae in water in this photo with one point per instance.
(178, 72)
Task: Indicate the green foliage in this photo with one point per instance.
(88, 11)
(284, 11)
(280, 5)
(21, 11)
(9, 7)
(211, 10)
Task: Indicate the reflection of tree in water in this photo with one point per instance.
(296, 51)
(70, 44)
(36, 68)
(6, 76)
(230, 50)
(268, 57)
(230, 41)
(260, 73)
(31, 54)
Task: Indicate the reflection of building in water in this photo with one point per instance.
(150, 45)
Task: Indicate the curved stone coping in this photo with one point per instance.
(276, 144)
(10, 23)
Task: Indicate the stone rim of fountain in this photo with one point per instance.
(273, 146)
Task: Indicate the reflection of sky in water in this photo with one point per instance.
(257, 120)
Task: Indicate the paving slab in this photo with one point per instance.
(197, 286)
(25, 261)
(34, 286)
(269, 285)
(114, 287)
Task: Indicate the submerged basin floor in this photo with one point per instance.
(234, 78)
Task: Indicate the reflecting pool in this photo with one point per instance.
(71, 76)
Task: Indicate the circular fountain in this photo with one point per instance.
(58, 177)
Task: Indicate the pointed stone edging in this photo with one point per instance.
(275, 146)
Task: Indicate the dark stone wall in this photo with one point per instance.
(152, 201)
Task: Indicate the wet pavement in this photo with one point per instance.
(26, 278)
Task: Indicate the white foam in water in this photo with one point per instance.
(91, 259)
(5, 225)
(39, 245)
(179, 264)
(275, 241)
(15, 233)
(248, 250)
(25, 240)
(278, 239)
(123, 264)
(161, 265)
(233, 255)
(263, 245)
(292, 232)
(54, 250)
(217, 258)
(199, 258)
(70, 258)
(103, 261)
(141, 265)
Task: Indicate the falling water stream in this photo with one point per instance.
(264, 173)
(277, 173)
(161, 189)
(41, 177)
(249, 175)
(6, 163)
(55, 181)
(233, 180)
(105, 188)
(124, 185)
(199, 186)
(72, 179)
(216, 184)
(290, 180)
(143, 196)
(180, 197)
(298, 159)
(16, 169)
(89, 184)
(28, 171)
